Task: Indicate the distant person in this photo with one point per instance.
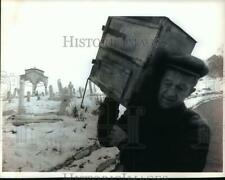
(171, 138)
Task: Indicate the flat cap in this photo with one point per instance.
(187, 64)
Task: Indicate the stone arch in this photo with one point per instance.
(35, 76)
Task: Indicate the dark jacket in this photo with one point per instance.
(174, 140)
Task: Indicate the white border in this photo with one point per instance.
(111, 174)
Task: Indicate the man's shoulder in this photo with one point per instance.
(194, 119)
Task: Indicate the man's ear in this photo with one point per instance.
(192, 90)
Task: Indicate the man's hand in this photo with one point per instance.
(117, 136)
(108, 112)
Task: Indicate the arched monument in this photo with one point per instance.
(35, 76)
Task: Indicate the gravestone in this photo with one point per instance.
(28, 96)
(70, 88)
(80, 91)
(51, 93)
(36, 93)
(65, 91)
(46, 91)
(74, 92)
(38, 96)
(15, 92)
(60, 86)
(9, 96)
(21, 108)
(65, 101)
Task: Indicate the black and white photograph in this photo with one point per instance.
(112, 88)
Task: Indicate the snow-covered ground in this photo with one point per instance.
(52, 142)
(49, 146)
(207, 89)
(34, 106)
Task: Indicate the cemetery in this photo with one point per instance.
(55, 129)
(42, 132)
(51, 132)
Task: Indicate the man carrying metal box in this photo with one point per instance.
(170, 137)
(157, 133)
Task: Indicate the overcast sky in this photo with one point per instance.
(32, 32)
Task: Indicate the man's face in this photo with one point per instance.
(175, 86)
